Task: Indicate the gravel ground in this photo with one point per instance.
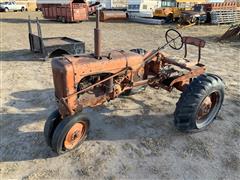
(130, 138)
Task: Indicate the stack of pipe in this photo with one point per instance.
(112, 15)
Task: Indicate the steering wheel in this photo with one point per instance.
(174, 39)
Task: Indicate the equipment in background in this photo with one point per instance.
(66, 10)
(228, 12)
(196, 16)
(233, 33)
(114, 4)
(168, 11)
(53, 46)
(106, 15)
(142, 8)
(146, 20)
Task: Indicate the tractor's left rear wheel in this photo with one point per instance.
(70, 133)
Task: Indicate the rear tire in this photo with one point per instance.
(199, 104)
(22, 9)
(6, 9)
(70, 133)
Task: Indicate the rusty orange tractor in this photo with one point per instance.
(89, 80)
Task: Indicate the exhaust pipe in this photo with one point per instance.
(97, 37)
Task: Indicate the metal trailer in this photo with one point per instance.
(53, 46)
(64, 11)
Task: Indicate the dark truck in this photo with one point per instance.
(199, 14)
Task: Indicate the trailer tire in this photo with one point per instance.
(199, 104)
(50, 125)
(63, 20)
(70, 133)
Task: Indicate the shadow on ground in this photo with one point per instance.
(21, 55)
(22, 133)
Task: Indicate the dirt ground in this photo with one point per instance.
(130, 138)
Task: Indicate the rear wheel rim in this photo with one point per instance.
(208, 109)
(75, 134)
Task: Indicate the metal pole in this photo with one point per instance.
(97, 37)
(39, 28)
(29, 25)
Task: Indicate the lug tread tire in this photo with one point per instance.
(191, 98)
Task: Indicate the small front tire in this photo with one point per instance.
(50, 125)
(70, 133)
(199, 104)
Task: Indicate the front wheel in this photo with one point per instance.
(200, 103)
(50, 125)
(70, 133)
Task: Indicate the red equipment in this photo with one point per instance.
(74, 11)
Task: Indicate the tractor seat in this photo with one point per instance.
(189, 41)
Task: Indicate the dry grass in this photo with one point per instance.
(197, 148)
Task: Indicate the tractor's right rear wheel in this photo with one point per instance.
(199, 104)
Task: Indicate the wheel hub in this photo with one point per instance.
(74, 135)
(206, 107)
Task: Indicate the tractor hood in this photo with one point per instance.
(69, 70)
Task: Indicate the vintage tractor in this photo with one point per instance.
(89, 80)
